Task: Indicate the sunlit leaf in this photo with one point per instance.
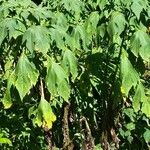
(146, 106)
(26, 75)
(43, 115)
(7, 101)
(138, 97)
(37, 38)
(56, 80)
(140, 44)
(69, 63)
(146, 135)
(128, 73)
(5, 141)
(117, 24)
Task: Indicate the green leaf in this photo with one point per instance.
(140, 44)
(7, 99)
(7, 102)
(102, 3)
(138, 97)
(3, 31)
(92, 22)
(146, 135)
(136, 8)
(101, 30)
(5, 141)
(64, 90)
(13, 26)
(79, 34)
(146, 107)
(37, 38)
(58, 33)
(116, 24)
(129, 75)
(56, 80)
(130, 126)
(44, 115)
(69, 63)
(26, 75)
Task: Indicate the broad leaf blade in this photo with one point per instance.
(116, 24)
(56, 80)
(129, 75)
(146, 107)
(69, 63)
(37, 38)
(44, 115)
(138, 97)
(140, 44)
(26, 75)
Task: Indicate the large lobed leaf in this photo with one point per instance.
(129, 75)
(69, 63)
(140, 44)
(26, 75)
(37, 38)
(56, 80)
(43, 115)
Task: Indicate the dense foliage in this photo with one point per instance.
(74, 74)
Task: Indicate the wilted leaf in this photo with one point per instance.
(69, 63)
(137, 9)
(146, 135)
(129, 75)
(146, 107)
(140, 44)
(56, 80)
(3, 33)
(37, 38)
(138, 97)
(43, 115)
(26, 75)
(7, 102)
(116, 24)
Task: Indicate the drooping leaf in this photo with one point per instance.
(47, 114)
(7, 102)
(37, 38)
(43, 115)
(64, 90)
(102, 3)
(69, 63)
(146, 135)
(92, 22)
(145, 107)
(79, 34)
(3, 33)
(138, 97)
(116, 24)
(73, 6)
(58, 33)
(140, 44)
(26, 75)
(137, 9)
(129, 75)
(56, 80)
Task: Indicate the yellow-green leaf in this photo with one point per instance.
(44, 115)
